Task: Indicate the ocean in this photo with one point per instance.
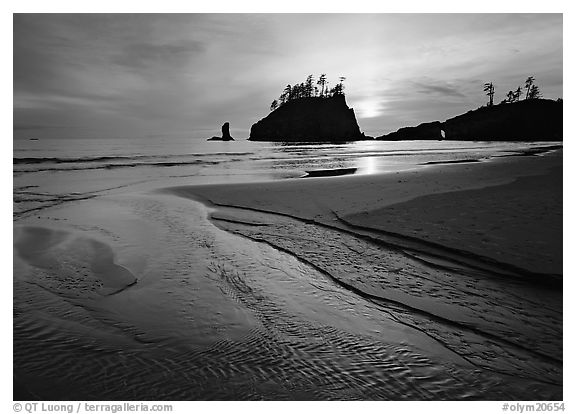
(48, 172)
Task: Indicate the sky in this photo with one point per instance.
(184, 75)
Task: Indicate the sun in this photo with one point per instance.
(368, 108)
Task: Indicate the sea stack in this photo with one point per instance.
(312, 119)
(225, 134)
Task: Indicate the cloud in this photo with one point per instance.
(32, 127)
(148, 73)
(149, 55)
(438, 87)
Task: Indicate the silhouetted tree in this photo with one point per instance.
(309, 86)
(308, 90)
(342, 79)
(528, 85)
(513, 96)
(337, 90)
(517, 94)
(286, 94)
(489, 89)
(295, 92)
(322, 82)
(534, 93)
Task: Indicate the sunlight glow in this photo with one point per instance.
(367, 165)
(367, 109)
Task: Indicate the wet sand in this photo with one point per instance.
(508, 210)
(71, 263)
(296, 289)
(470, 255)
(518, 223)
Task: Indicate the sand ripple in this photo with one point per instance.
(216, 315)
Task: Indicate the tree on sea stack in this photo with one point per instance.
(308, 90)
(489, 89)
(513, 96)
(285, 96)
(534, 93)
(517, 94)
(528, 85)
(309, 86)
(322, 83)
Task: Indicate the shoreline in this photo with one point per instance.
(376, 202)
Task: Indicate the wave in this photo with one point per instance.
(450, 162)
(120, 165)
(77, 160)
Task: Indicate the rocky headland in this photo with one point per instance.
(528, 120)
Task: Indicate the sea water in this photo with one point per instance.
(49, 171)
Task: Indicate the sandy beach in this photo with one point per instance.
(441, 282)
(488, 234)
(508, 210)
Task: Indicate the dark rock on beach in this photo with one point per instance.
(225, 134)
(528, 120)
(313, 119)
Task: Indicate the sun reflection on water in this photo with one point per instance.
(367, 165)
